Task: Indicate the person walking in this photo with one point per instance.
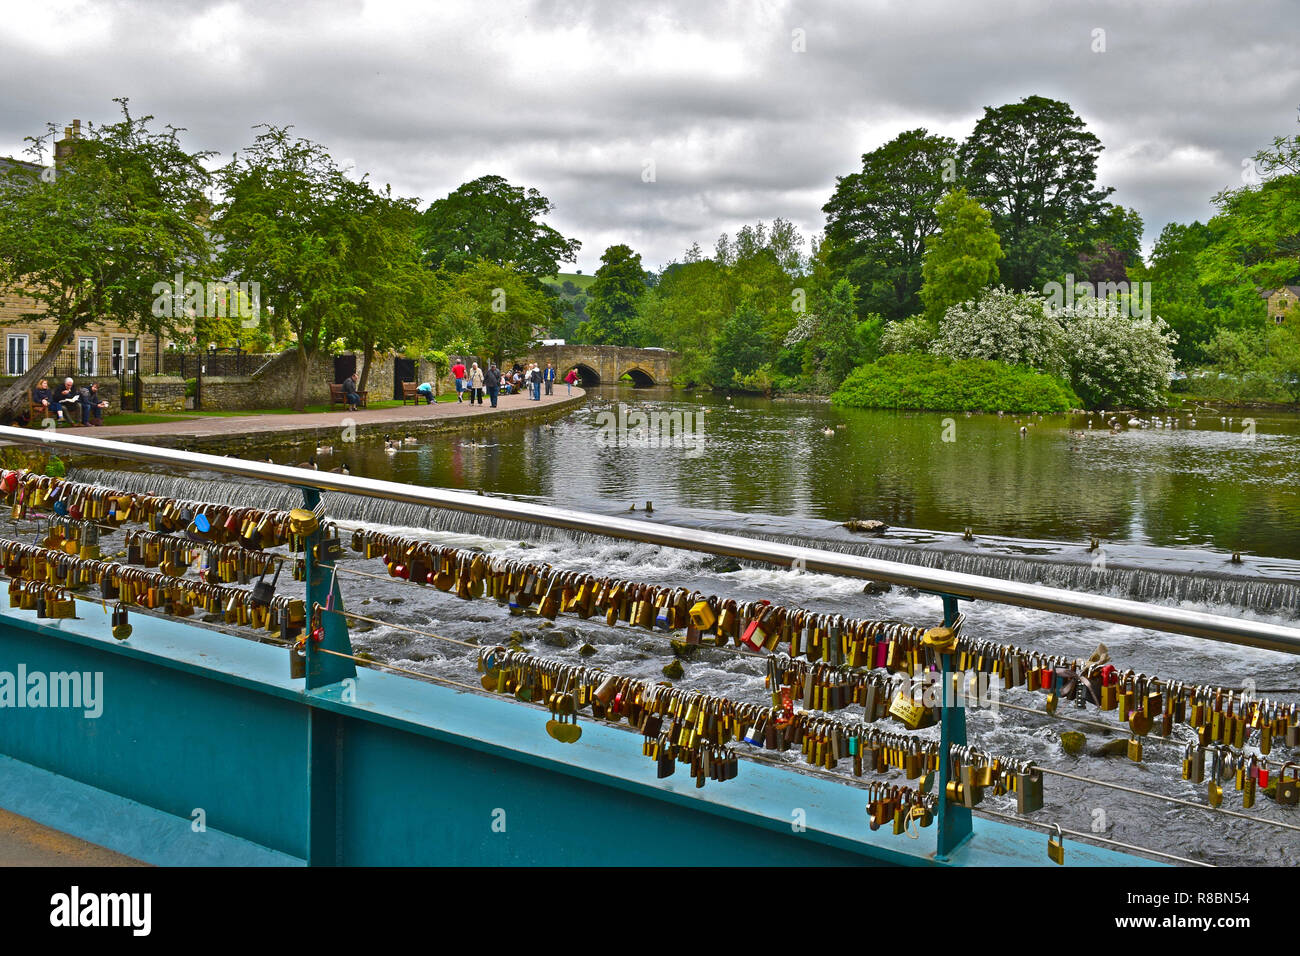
(570, 379)
(549, 378)
(458, 373)
(475, 384)
(492, 382)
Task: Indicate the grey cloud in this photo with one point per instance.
(571, 97)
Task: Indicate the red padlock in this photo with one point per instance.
(10, 479)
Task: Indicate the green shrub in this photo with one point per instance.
(191, 387)
(936, 383)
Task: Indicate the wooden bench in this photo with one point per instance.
(37, 412)
(409, 393)
(337, 397)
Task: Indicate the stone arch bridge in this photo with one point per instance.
(606, 364)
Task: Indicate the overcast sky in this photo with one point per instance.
(748, 110)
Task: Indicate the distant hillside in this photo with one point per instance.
(579, 282)
(572, 289)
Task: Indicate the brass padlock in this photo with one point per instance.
(1056, 846)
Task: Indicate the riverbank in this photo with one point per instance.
(235, 433)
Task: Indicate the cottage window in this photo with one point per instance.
(17, 351)
(88, 356)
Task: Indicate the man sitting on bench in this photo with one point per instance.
(350, 392)
(69, 399)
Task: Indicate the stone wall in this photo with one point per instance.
(273, 386)
(162, 393)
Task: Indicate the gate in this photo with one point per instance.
(128, 384)
(403, 371)
(345, 366)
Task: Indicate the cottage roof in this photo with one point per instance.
(1293, 289)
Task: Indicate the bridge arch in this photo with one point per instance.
(640, 377)
(587, 376)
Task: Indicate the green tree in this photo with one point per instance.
(961, 259)
(613, 297)
(738, 351)
(286, 221)
(834, 347)
(1256, 234)
(492, 220)
(121, 213)
(393, 284)
(489, 310)
(878, 219)
(1034, 165)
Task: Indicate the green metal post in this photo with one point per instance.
(323, 669)
(954, 820)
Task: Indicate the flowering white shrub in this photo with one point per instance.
(908, 335)
(1005, 326)
(1113, 358)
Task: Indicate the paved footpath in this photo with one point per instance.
(402, 416)
(25, 842)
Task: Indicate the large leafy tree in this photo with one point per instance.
(490, 219)
(492, 309)
(393, 286)
(1034, 165)
(1256, 234)
(878, 219)
(961, 259)
(737, 351)
(613, 298)
(122, 211)
(288, 220)
(835, 347)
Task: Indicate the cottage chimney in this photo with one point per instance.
(64, 146)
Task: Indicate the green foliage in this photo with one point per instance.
(878, 219)
(486, 310)
(761, 381)
(1255, 364)
(936, 383)
(488, 219)
(120, 214)
(1034, 165)
(961, 259)
(287, 220)
(915, 334)
(440, 361)
(835, 345)
(738, 351)
(613, 299)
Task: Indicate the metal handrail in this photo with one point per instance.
(966, 586)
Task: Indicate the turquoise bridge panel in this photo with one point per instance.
(387, 770)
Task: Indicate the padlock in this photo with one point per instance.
(298, 659)
(1029, 789)
(264, 590)
(1288, 788)
(1056, 846)
(1135, 749)
(120, 622)
(703, 616)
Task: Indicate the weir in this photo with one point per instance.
(1078, 574)
(354, 766)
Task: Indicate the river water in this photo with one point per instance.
(1169, 506)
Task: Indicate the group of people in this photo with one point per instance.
(70, 404)
(474, 381)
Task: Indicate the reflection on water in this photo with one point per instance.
(1208, 485)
